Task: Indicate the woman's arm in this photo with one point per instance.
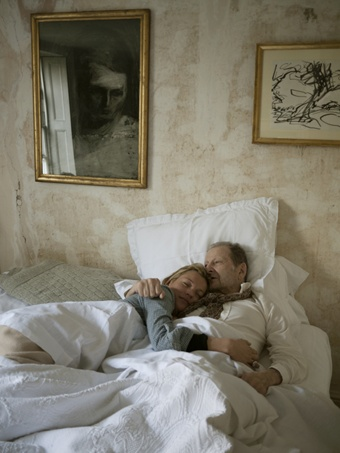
(164, 335)
(157, 316)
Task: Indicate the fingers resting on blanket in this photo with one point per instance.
(262, 380)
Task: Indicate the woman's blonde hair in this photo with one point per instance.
(198, 267)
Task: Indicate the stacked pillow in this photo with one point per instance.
(160, 245)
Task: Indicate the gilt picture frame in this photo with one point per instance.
(90, 74)
(297, 94)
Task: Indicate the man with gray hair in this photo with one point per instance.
(259, 322)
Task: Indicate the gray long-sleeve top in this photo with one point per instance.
(157, 316)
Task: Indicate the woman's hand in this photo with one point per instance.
(239, 349)
(150, 287)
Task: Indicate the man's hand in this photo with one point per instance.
(239, 350)
(150, 287)
(262, 380)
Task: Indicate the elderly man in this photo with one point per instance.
(230, 299)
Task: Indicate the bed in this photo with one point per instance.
(140, 400)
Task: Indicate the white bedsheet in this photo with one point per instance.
(170, 401)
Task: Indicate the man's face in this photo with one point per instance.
(224, 276)
(107, 92)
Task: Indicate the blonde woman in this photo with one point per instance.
(181, 289)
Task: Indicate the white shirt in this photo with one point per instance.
(263, 324)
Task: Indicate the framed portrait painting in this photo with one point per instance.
(297, 94)
(90, 97)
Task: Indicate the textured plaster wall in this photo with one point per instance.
(200, 150)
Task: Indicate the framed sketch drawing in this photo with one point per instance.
(297, 94)
(90, 97)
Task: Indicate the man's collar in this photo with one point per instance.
(244, 287)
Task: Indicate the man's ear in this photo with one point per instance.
(242, 272)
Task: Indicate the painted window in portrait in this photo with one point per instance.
(90, 90)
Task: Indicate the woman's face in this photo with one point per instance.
(188, 289)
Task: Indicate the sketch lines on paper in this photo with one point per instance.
(306, 94)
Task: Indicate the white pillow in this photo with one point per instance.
(279, 287)
(295, 274)
(160, 245)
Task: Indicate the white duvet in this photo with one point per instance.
(158, 402)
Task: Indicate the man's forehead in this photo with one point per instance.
(216, 252)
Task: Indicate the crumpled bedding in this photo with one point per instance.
(151, 402)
